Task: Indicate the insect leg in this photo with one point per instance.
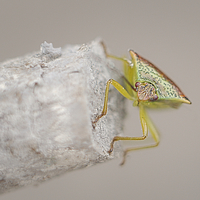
(144, 130)
(145, 121)
(120, 88)
(111, 56)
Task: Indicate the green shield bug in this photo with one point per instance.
(148, 87)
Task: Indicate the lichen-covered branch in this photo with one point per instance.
(48, 101)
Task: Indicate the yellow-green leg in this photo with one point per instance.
(128, 65)
(146, 124)
(111, 56)
(128, 74)
(144, 130)
(120, 88)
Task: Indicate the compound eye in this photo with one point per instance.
(155, 97)
(137, 84)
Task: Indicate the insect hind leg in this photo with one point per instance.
(153, 131)
(146, 124)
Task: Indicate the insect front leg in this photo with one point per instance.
(120, 88)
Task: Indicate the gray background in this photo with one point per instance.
(165, 32)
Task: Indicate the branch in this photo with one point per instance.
(48, 102)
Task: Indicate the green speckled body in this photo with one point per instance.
(169, 94)
(147, 87)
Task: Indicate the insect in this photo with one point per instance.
(148, 87)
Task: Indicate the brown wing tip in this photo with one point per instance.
(186, 100)
(132, 53)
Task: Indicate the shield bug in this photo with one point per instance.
(148, 87)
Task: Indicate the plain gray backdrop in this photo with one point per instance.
(166, 33)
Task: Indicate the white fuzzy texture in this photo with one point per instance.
(48, 101)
